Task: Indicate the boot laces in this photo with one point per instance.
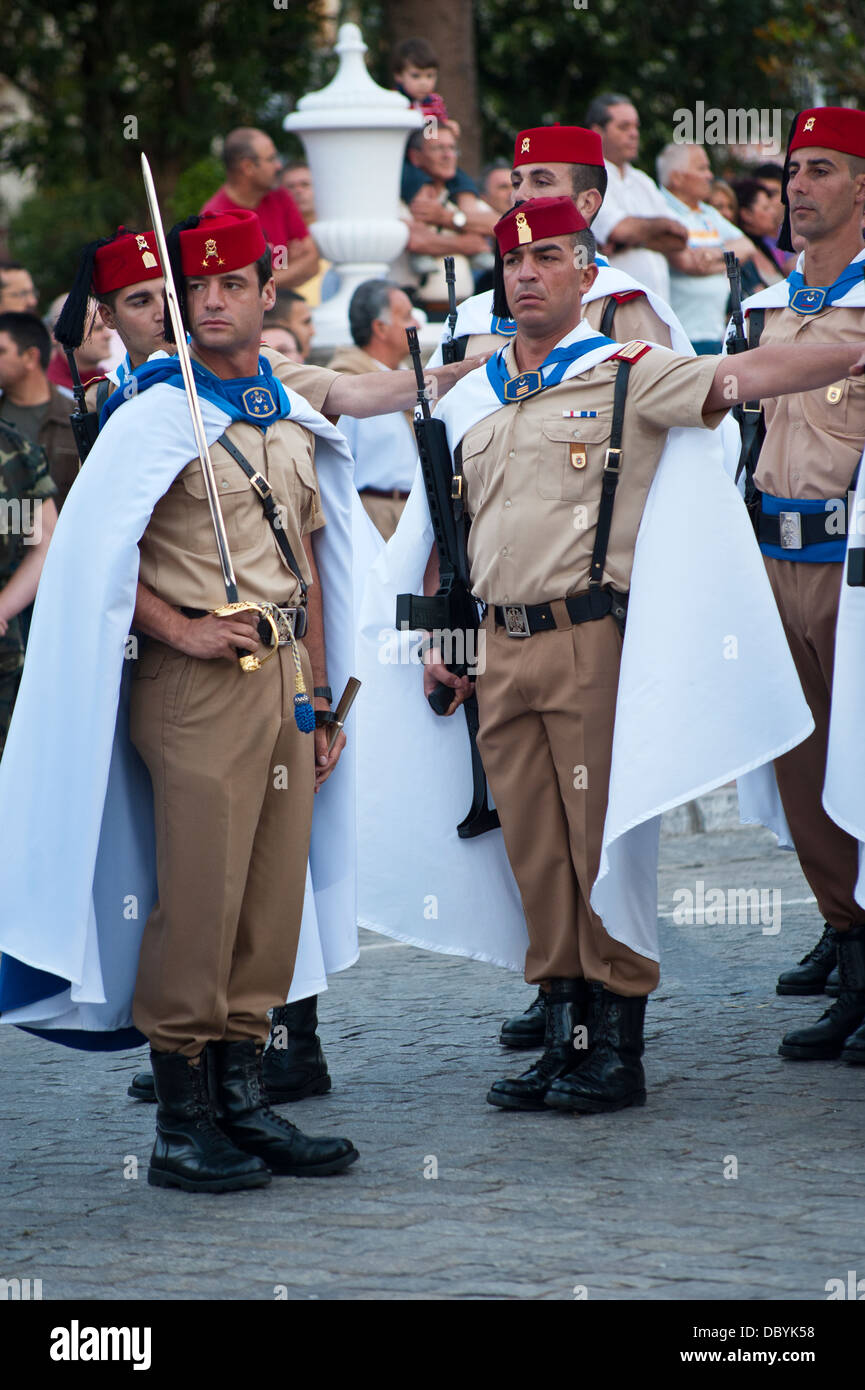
(818, 950)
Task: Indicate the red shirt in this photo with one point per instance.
(277, 213)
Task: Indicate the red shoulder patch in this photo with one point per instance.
(624, 295)
(631, 352)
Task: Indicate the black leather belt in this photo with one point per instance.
(525, 619)
(293, 615)
(393, 494)
(793, 530)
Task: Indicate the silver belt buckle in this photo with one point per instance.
(790, 530)
(284, 619)
(516, 620)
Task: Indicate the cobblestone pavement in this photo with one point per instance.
(634, 1205)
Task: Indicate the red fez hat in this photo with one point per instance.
(130, 257)
(834, 127)
(558, 144)
(221, 242)
(536, 219)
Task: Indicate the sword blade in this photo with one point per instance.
(193, 402)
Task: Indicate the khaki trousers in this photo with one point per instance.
(807, 598)
(233, 790)
(547, 708)
(383, 512)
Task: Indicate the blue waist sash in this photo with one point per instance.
(822, 552)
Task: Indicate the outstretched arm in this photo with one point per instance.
(383, 393)
(781, 371)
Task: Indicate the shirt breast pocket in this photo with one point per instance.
(569, 450)
(303, 490)
(475, 464)
(241, 509)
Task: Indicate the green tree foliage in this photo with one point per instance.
(541, 63)
(106, 79)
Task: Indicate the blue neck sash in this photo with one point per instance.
(810, 299)
(257, 399)
(551, 371)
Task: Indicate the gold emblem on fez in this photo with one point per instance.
(147, 257)
(524, 231)
(210, 250)
(809, 124)
(524, 147)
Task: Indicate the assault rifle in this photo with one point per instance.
(452, 611)
(748, 415)
(449, 348)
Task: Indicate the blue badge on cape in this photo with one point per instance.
(258, 402)
(506, 328)
(807, 300)
(516, 388)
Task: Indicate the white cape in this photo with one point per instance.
(77, 877)
(707, 691)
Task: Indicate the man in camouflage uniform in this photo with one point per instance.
(27, 519)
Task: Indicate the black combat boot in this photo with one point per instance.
(298, 1068)
(526, 1029)
(190, 1150)
(611, 1077)
(814, 969)
(567, 1008)
(826, 1038)
(250, 1124)
(142, 1087)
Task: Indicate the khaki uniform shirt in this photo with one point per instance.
(813, 438)
(178, 550)
(635, 318)
(533, 476)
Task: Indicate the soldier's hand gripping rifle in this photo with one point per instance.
(748, 415)
(452, 610)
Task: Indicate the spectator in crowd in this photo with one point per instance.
(282, 340)
(722, 197)
(496, 186)
(296, 177)
(252, 173)
(415, 67)
(95, 354)
(771, 176)
(634, 224)
(698, 280)
(383, 445)
(26, 487)
(757, 221)
(292, 311)
(29, 401)
(17, 291)
(440, 226)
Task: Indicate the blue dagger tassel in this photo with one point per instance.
(304, 714)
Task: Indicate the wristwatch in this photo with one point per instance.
(459, 219)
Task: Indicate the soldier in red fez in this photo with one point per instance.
(563, 415)
(803, 457)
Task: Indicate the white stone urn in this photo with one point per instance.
(354, 133)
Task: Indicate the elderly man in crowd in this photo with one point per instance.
(698, 280)
(634, 224)
(383, 446)
(440, 225)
